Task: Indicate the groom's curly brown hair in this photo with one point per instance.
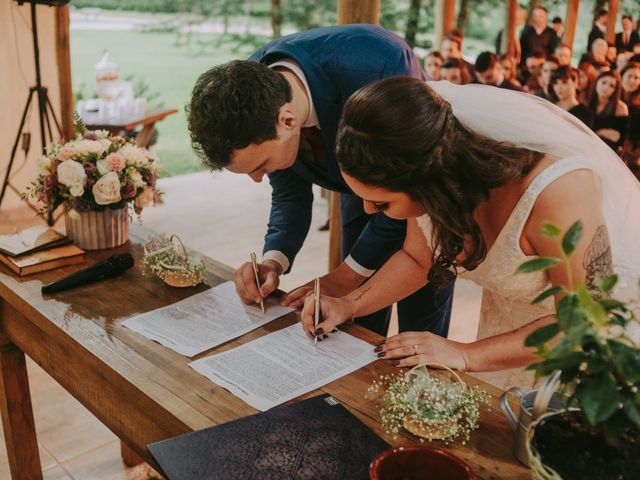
(232, 106)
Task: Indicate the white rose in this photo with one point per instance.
(90, 146)
(102, 167)
(77, 190)
(107, 189)
(134, 156)
(71, 173)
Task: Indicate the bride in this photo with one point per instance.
(478, 171)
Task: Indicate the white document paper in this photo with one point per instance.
(283, 365)
(204, 320)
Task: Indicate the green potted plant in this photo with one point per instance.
(594, 345)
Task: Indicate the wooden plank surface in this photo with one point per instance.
(145, 392)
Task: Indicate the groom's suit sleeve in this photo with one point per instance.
(290, 216)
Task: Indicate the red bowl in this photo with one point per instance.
(418, 463)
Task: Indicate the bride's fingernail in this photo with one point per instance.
(382, 342)
(382, 354)
(318, 332)
(378, 349)
(395, 363)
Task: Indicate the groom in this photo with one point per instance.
(278, 114)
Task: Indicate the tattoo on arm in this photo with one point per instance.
(598, 261)
(361, 294)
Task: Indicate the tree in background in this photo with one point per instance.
(412, 23)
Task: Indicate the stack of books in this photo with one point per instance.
(38, 249)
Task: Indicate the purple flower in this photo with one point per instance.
(81, 205)
(90, 169)
(149, 178)
(50, 182)
(129, 191)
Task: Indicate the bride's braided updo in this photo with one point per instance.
(400, 135)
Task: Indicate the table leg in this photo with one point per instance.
(129, 457)
(17, 415)
(144, 136)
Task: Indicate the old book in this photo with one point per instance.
(44, 260)
(315, 438)
(31, 240)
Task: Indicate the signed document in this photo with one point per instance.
(284, 365)
(204, 320)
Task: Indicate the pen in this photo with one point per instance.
(254, 262)
(316, 304)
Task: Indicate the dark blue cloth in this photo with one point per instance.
(336, 62)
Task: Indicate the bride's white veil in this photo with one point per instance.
(531, 122)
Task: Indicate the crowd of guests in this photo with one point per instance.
(603, 91)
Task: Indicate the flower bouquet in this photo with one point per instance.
(429, 407)
(97, 175)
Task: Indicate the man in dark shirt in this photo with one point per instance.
(627, 38)
(489, 72)
(599, 28)
(538, 37)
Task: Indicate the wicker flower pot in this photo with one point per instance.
(98, 230)
(539, 471)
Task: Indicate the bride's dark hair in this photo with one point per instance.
(400, 135)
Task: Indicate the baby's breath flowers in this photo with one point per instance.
(428, 407)
(170, 262)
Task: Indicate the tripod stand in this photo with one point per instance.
(45, 114)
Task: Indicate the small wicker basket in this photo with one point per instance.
(170, 261)
(433, 429)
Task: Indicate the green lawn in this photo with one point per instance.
(170, 70)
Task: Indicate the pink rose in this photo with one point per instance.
(114, 162)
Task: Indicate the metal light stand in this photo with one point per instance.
(45, 113)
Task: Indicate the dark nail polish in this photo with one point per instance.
(382, 354)
(318, 332)
(382, 342)
(325, 336)
(377, 349)
(395, 363)
(334, 330)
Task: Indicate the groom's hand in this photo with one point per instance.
(269, 273)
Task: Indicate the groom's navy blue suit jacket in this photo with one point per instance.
(336, 62)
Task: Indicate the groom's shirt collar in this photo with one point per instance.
(312, 119)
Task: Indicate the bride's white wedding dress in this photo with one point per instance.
(530, 122)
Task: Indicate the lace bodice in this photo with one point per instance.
(506, 297)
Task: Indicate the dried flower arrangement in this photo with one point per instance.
(167, 258)
(429, 407)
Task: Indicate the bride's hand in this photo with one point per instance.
(409, 349)
(333, 312)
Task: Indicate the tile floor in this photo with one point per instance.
(224, 217)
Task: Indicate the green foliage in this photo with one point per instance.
(597, 351)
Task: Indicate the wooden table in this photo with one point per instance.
(94, 121)
(145, 392)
